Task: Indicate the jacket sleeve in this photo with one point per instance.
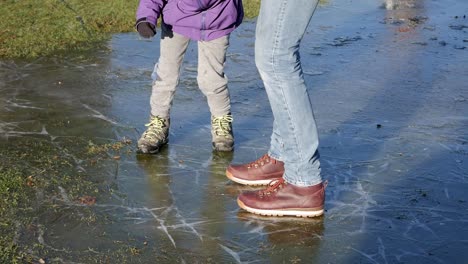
(149, 10)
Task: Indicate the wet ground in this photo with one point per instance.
(389, 87)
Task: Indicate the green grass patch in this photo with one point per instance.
(31, 165)
(30, 28)
(12, 193)
(8, 251)
(251, 8)
(11, 187)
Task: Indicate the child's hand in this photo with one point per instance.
(146, 29)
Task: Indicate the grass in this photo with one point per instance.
(29, 166)
(11, 186)
(12, 193)
(251, 8)
(30, 28)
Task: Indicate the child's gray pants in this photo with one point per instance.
(211, 78)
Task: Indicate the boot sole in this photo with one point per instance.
(222, 148)
(152, 151)
(282, 212)
(247, 182)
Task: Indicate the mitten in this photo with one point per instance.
(145, 29)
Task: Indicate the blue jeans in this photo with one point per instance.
(280, 27)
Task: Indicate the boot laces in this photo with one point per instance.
(273, 186)
(222, 125)
(260, 162)
(155, 127)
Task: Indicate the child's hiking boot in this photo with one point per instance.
(155, 136)
(258, 172)
(221, 132)
(284, 199)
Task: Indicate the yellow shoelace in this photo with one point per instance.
(155, 126)
(222, 125)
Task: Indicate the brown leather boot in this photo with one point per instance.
(284, 199)
(259, 172)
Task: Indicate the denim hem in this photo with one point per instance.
(303, 183)
(274, 156)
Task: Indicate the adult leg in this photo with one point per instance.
(280, 28)
(300, 192)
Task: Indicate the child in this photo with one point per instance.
(209, 22)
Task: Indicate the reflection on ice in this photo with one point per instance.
(399, 4)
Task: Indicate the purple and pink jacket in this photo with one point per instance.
(196, 19)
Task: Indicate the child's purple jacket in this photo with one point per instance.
(196, 19)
